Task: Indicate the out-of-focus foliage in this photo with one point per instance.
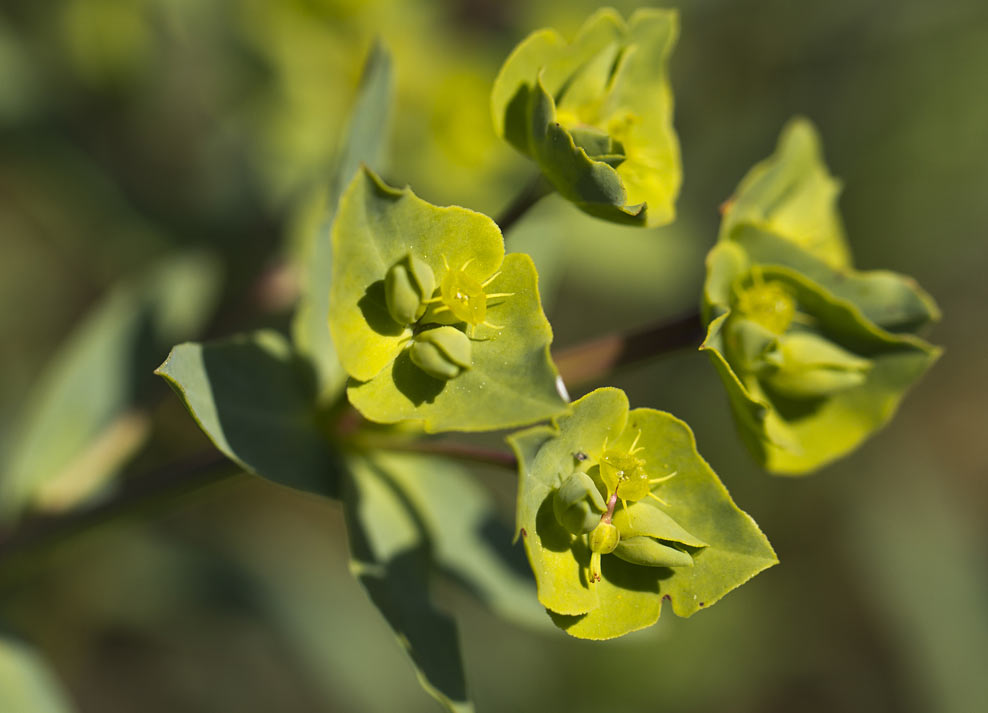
(88, 415)
(26, 684)
(216, 132)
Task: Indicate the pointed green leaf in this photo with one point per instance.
(596, 114)
(364, 140)
(511, 380)
(84, 419)
(255, 399)
(727, 547)
(26, 683)
(792, 194)
(390, 557)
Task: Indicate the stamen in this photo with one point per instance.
(495, 295)
(492, 326)
(634, 443)
(489, 280)
(664, 478)
(656, 497)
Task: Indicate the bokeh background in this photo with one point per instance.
(132, 130)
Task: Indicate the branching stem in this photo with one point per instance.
(532, 193)
(595, 359)
(160, 485)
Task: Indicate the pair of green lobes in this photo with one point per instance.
(580, 508)
(796, 363)
(410, 293)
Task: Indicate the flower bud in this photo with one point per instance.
(578, 504)
(810, 366)
(648, 552)
(443, 352)
(408, 284)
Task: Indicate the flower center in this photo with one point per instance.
(464, 296)
(624, 474)
(770, 304)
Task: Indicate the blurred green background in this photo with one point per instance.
(135, 130)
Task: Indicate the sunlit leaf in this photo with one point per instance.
(790, 433)
(792, 194)
(511, 380)
(697, 515)
(596, 114)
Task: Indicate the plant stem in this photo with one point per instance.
(134, 494)
(458, 451)
(593, 360)
(532, 193)
(589, 361)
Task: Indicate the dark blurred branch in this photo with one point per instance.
(134, 494)
(536, 190)
(593, 360)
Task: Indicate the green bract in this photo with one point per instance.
(431, 319)
(680, 537)
(815, 355)
(792, 194)
(596, 114)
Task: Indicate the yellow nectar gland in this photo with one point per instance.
(624, 474)
(464, 296)
(770, 304)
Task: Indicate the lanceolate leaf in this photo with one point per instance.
(697, 516)
(255, 399)
(510, 380)
(596, 114)
(390, 556)
(85, 419)
(363, 143)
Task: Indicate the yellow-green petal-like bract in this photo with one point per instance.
(595, 114)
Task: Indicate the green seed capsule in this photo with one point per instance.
(578, 504)
(811, 366)
(603, 539)
(651, 553)
(408, 284)
(443, 352)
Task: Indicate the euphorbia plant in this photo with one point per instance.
(415, 320)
